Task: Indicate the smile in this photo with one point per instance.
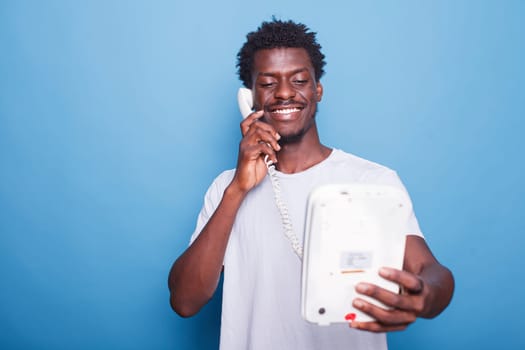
(286, 110)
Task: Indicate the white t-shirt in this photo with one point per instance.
(262, 274)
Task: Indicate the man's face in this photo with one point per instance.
(284, 86)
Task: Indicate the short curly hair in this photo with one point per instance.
(276, 34)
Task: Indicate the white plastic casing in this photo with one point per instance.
(245, 101)
(352, 230)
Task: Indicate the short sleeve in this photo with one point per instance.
(211, 201)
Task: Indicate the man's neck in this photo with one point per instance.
(299, 156)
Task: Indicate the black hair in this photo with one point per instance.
(276, 34)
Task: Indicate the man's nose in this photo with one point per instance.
(284, 91)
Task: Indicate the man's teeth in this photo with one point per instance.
(286, 110)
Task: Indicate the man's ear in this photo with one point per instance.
(319, 91)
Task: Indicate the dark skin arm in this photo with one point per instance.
(195, 274)
(427, 288)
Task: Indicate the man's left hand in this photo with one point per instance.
(404, 308)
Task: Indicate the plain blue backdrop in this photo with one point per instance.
(116, 115)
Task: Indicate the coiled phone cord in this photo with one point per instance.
(283, 210)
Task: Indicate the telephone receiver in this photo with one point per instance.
(245, 99)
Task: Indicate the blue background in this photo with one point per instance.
(116, 115)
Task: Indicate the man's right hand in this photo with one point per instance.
(259, 141)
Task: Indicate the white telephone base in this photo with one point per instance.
(352, 230)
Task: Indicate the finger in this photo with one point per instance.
(377, 327)
(380, 294)
(250, 150)
(415, 290)
(249, 120)
(407, 280)
(269, 152)
(390, 317)
(254, 122)
(260, 133)
(259, 126)
(409, 303)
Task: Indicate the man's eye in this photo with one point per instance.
(300, 81)
(266, 85)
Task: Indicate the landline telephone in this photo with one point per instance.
(351, 231)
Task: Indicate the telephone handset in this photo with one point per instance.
(245, 99)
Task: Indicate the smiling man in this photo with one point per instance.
(239, 229)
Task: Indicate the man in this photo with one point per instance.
(239, 228)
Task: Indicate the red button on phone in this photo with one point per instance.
(350, 317)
